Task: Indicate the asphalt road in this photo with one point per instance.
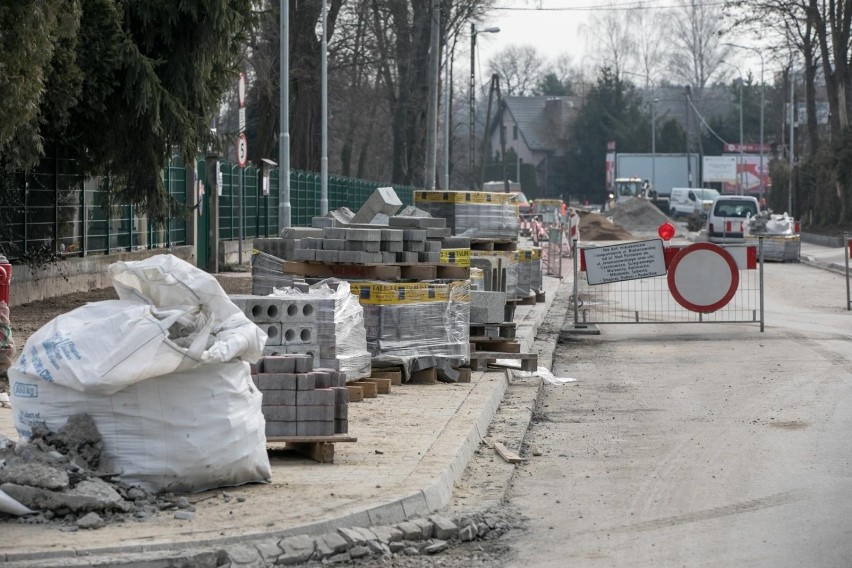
(697, 444)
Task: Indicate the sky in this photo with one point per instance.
(557, 28)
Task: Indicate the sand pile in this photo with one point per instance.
(594, 227)
(638, 215)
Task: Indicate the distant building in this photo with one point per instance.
(536, 131)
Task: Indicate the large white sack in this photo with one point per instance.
(182, 432)
(171, 317)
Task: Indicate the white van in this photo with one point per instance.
(691, 200)
(729, 217)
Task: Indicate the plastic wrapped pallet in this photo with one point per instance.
(524, 261)
(340, 326)
(505, 260)
(163, 372)
(536, 281)
(478, 214)
(417, 319)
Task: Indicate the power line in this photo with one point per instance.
(704, 122)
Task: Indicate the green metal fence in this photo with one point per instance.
(57, 210)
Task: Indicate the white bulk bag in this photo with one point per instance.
(164, 374)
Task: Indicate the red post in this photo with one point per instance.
(5, 279)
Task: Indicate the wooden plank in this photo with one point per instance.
(507, 454)
(420, 272)
(318, 448)
(528, 301)
(370, 389)
(362, 271)
(424, 377)
(394, 376)
(498, 345)
(464, 374)
(356, 392)
(451, 271)
(383, 386)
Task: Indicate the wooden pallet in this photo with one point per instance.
(505, 330)
(539, 297)
(493, 244)
(382, 386)
(479, 360)
(528, 301)
(498, 344)
(386, 272)
(318, 448)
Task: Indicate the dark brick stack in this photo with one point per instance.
(300, 400)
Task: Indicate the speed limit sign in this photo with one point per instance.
(242, 150)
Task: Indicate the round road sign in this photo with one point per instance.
(242, 150)
(703, 277)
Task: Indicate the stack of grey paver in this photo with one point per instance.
(407, 242)
(300, 400)
(304, 323)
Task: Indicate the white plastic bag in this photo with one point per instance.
(164, 374)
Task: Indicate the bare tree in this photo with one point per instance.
(695, 33)
(520, 69)
(610, 38)
(650, 43)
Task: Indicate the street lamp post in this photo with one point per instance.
(654, 143)
(762, 105)
(740, 168)
(472, 93)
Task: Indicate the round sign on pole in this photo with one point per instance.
(242, 150)
(703, 277)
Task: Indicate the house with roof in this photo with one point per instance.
(536, 130)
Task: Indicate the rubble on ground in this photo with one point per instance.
(64, 478)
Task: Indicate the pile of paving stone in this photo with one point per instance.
(64, 478)
(409, 538)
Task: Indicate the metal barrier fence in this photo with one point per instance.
(650, 300)
(56, 209)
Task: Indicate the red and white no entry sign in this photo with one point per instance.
(703, 277)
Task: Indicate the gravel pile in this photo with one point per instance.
(594, 227)
(638, 215)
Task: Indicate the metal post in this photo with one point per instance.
(762, 313)
(284, 211)
(575, 254)
(240, 213)
(762, 104)
(324, 113)
(432, 109)
(790, 151)
(846, 245)
(472, 102)
(446, 181)
(654, 144)
(741, 168)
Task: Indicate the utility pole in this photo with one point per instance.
(284, 210)
(445, 182)
(324, 112)
(790, 150)
(432, 109)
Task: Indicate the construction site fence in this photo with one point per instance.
(650, 301)
(57, 209)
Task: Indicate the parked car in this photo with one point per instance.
(691, 201)
(728, 218)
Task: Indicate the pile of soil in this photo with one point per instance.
(594, 227)
(639, 215)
